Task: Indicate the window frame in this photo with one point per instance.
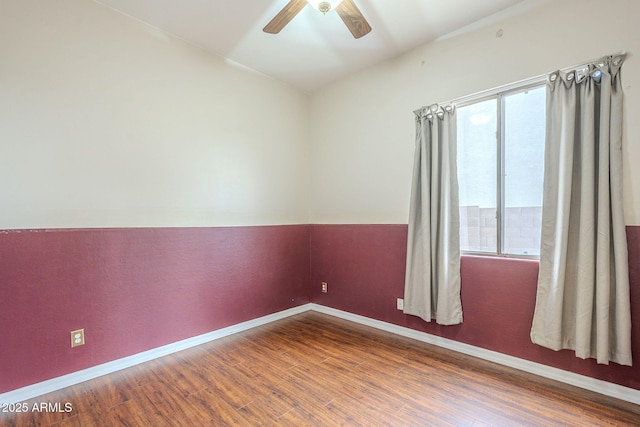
(499, 94)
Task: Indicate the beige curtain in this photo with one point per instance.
(432, 280)
(583, 300)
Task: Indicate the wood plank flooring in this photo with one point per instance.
(317, 370)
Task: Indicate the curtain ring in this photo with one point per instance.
(421, 112)
(553, 76)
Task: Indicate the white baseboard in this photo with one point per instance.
(588, 383)
(44, 387)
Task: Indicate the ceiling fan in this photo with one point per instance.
(346, 9)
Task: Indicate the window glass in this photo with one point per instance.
(477, 175)
(524, 136)
(500, 144)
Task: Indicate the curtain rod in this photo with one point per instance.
(519, 84)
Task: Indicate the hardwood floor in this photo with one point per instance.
(317, 370)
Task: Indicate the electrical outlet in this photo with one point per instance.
(77, 338)
(324, 287)
(400, 304)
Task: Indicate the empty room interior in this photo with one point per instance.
(206, 221)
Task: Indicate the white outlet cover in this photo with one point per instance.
(400, 304)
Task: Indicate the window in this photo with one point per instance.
(500, 172)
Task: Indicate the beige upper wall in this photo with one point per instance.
(107, 122)
(362, 132)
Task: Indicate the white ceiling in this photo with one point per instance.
(313, 49)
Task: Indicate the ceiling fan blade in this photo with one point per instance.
(284, 16)
(353, 19)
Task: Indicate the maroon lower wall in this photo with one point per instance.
(363, 266)
(136, 289)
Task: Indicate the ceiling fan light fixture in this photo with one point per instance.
(324, 6)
